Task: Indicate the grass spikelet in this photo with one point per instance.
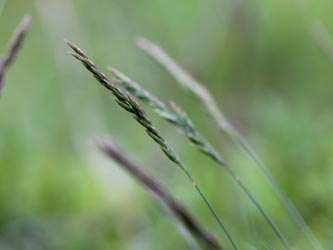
(129, 104)
(178, 117)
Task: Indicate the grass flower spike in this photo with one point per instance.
(128, 102)
(178, 117)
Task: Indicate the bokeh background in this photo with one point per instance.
(268, 64)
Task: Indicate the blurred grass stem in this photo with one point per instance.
(14, 47)
(207, 100)
(162, 194)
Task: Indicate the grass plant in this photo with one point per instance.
(202, 94)
(180, 119)
(129, 103)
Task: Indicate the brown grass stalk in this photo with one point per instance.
(162, 194)
(14, 47)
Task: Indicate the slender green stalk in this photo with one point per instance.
(208, 101)
(14, 46)
(162, 194)
(127, 102)
(179, 118)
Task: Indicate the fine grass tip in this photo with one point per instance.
(14, 47)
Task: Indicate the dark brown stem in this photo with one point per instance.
(162, 194)
(13, 48)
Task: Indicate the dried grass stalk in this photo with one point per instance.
(13, 48)
(162, 194)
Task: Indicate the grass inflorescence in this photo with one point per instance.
(180, 119)
(129, 103)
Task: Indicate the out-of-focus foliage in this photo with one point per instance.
(267, 63)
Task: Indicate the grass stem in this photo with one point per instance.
(128, 102)
(162, 194)
(180, 119)
(14, 46)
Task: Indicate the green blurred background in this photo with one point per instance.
(269, 65)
